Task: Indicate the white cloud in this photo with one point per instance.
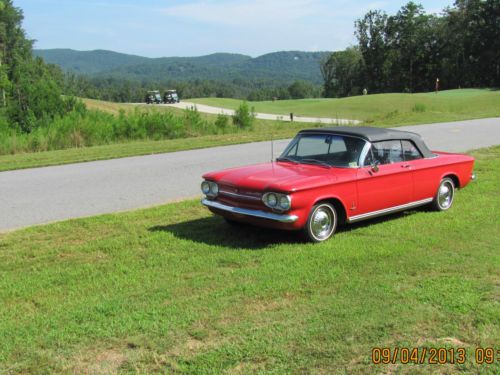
(245, 12)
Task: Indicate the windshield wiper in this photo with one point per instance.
(315, 161)
(285, 158)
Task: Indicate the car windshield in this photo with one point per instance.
(324, 149)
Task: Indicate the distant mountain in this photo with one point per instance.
(88, 62)
(281, 67)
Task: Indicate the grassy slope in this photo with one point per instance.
(376, 110)
(114, 108)
(175, 288)
(390, 109)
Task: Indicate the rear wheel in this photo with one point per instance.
(322, 222)
(444, 195)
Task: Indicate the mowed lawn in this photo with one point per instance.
(385, 109)
(175, 289)
(115, 108)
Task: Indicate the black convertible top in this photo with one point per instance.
(375, 135)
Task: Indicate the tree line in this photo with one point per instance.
(410, 50)
(29, 90)
(129, 91)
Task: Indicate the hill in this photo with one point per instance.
(384, 109)
(281, 67)
(88, 62)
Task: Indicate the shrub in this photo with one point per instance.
(192, 121)
(243, 118)
(222, 122)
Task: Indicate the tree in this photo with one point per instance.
(36, 95)
(327, 67)
(30, 88)
(472, 28)
(343, 72)
(301, 90)
(4, 79)
(410, 36)
(409, 50)
(4, 82)
(372, 37)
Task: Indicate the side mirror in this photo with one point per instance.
(375, 165)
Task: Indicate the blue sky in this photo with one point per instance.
(157, 28)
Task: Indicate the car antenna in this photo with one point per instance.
(272, 149)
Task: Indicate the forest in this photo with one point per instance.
(410, 50)
(120, 77)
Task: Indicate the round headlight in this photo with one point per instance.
(284, 202)
(205, 187)
(272, 200)
(214, 188)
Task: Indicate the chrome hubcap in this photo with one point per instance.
(322, 223)
(445, 195)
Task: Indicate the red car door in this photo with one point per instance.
(425, 177)
(390, 186)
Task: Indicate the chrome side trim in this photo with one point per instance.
(242, 196)
(248, 212)
(389, 210)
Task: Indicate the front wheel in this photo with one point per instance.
(444, 195)
(322, 222)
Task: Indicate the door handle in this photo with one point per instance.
(407, 166)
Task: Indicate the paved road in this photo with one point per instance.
(264, 116)
(41, 195)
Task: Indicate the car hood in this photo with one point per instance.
(279, 176)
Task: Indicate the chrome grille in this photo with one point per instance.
(240, 197)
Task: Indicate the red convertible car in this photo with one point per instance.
(329, 176)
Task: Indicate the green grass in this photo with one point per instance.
(174, 288)
(385, 109)
(114, 108)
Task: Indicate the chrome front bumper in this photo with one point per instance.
(248, 212)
